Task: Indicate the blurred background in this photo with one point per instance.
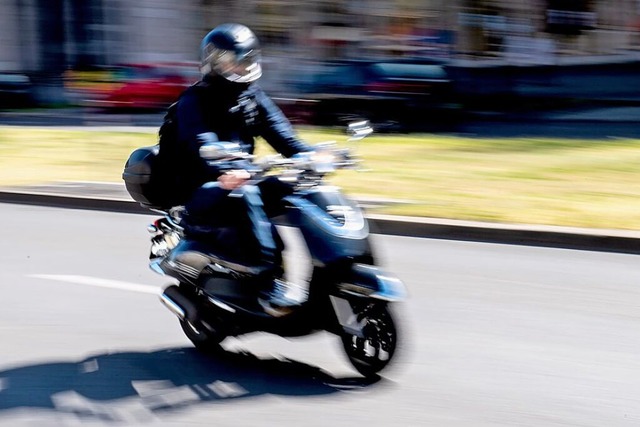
(328, 60)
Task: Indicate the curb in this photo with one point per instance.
(553, 237)
(616, 241)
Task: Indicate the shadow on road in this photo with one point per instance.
(137, 385)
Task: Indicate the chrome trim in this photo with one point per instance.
(223, 266)
(325, 189)
(219, 268)
(221, 305)
(184, 269)
(173, 306)
(359, 130)
(355, 293)
(355, 289)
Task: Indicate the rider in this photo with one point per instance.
(228, 105)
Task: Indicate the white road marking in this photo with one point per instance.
(100, 283)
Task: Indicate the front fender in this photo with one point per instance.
(370, 281)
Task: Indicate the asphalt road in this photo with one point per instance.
(494, 335)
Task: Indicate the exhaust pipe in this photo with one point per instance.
(173, 306)
(179, 304)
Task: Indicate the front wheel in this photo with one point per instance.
(205, 339)
(371, 352)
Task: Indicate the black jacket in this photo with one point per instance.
(235, 113)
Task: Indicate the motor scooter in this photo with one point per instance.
(217, 296)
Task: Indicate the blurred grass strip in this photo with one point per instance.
(571, 182)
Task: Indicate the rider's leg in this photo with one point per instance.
(261, 226)
(211, 215)
(276, 300)
(210, 206)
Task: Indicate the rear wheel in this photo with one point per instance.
(371, 352)
(204, 338)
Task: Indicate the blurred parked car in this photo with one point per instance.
(15, 90)
(134, 86)
(390, 93)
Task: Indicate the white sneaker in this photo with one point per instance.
(279, 302)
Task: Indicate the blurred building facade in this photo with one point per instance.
(46, 37)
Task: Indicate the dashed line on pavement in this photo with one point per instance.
(99, 282)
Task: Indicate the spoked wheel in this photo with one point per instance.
(371, 352)
(204, 339)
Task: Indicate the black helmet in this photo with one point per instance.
(231, 51)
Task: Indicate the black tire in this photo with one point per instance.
(373, 352)
(204, 339)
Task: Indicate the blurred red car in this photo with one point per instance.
(140, 86)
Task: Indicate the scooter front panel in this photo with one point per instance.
(333, 227)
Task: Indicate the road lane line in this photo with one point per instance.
(100, 283)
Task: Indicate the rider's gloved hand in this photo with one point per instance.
(230, 180)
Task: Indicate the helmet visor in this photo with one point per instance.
(241, 68)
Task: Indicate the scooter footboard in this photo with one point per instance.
(370, 281)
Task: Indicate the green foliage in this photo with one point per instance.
(586, 183)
